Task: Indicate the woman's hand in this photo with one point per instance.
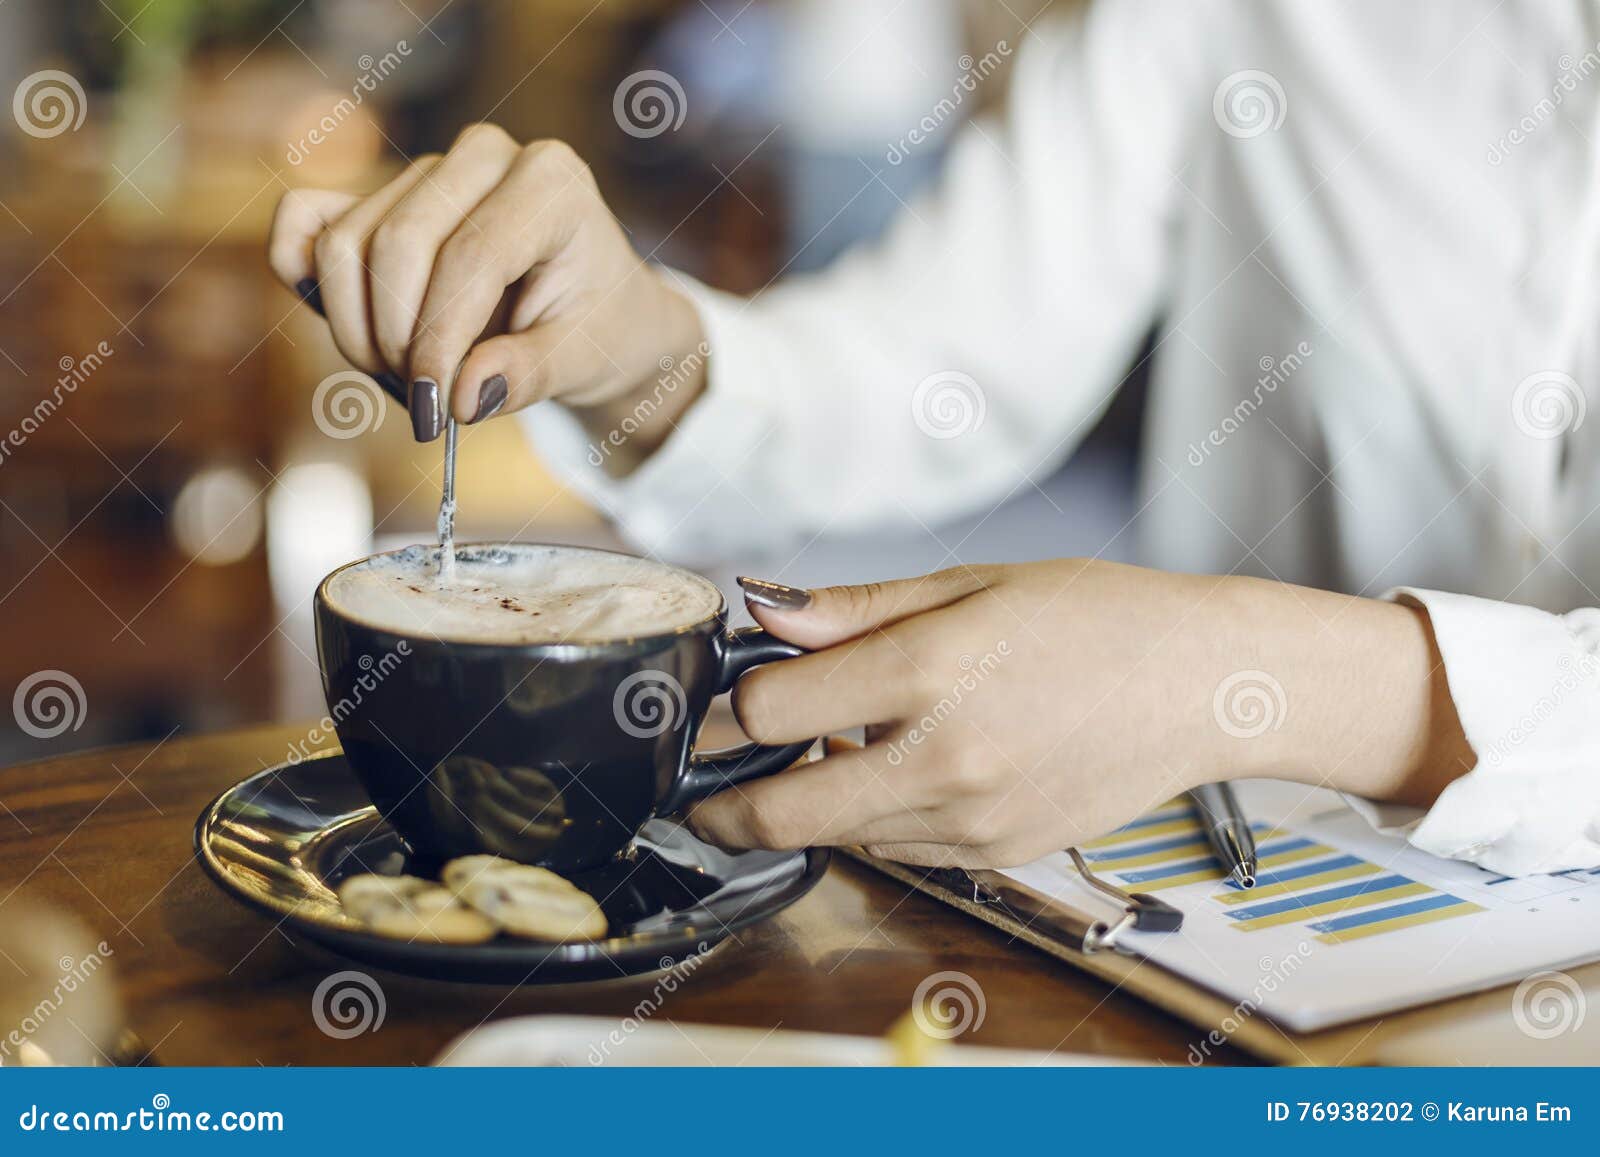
(498, 238)
(1016, 710)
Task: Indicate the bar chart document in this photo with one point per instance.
(1343, 923)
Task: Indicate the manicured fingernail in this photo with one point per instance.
(774, 595)
(310, 292)
(491, 396)
(425, 422)
(392, 385)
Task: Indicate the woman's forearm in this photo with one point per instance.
(1366, 706)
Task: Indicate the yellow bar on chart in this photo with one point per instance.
(1195, 877)
(1196, 847)
(1129, 835)
(1411, 921)
(1214, 871)
(1332, 907)
(1293, 855)
(1304, 883)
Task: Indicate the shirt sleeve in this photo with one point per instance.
(935, 373)
(1526, 688)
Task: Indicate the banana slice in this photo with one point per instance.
(534, 903)
(411, 908)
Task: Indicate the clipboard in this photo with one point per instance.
(1499, 1024)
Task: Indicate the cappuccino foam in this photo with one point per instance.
(521, 594)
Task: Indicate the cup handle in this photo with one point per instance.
(707, 773)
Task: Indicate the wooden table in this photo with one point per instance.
(108, 835)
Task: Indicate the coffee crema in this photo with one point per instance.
(521, 593)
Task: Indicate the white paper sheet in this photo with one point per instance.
(1343, 924)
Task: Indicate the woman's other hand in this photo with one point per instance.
(1012, 711)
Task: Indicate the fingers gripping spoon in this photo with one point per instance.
(311, 293)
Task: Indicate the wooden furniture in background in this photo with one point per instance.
(132, 365)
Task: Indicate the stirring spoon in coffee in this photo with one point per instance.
(447, 507)
(311, 293)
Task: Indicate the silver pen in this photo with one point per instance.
(1228, 831)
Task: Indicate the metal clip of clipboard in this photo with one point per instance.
(1140, 910)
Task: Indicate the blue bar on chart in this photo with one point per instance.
(1329, 901)
(1427, 910)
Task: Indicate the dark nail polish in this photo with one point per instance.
(491, 396)
(310, 292)
(392, 385)
(425, 423)
(774, 595)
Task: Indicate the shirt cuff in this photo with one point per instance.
(1526, 688)
(662, 505)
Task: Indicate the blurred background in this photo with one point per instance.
(173, 483)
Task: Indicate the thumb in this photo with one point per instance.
(511, 370)
(828, 615)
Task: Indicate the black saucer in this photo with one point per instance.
(283, 839)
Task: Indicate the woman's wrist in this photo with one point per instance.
(637, 416)
(1365, 705)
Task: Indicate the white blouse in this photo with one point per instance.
(1368, 235)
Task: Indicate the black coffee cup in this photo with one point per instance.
(548, 753)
